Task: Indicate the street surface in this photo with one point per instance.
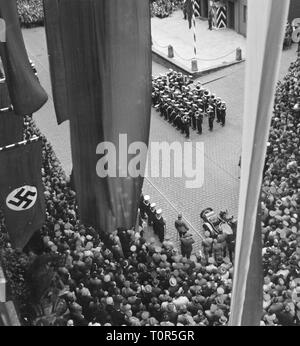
(222, 146)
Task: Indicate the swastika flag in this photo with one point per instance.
(26, 93)
(22, 192)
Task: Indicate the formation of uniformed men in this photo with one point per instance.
(183, 106)
(154, 217)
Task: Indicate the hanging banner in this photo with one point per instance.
(26, 94)
(22, 191)
(107, 47)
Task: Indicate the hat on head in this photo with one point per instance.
(146, 198)
(133, 248)
(109, 301)
(107, 278)
(153, 205)
(148, 289)
(158, 211)
(173, 281)
(180, 216)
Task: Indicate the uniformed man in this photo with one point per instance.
(152, 214)
(218, 109)
(223, 113)
(192, 116)
(199, 121)
(211, 117)
(186, 125)
(159, 225)
(145, 207)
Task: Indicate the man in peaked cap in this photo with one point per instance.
(218, 109)
(159, 225)
(152, 214)
(211, 117)
(186, 125)
(181, 226)
(145, 207)
(222, 113)
(199, 120)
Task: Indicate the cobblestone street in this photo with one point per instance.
(222, 146)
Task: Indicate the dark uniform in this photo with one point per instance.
(223, 113)
(186, 126)
(199, 121)
(211, 118)
(218, 109)
(159, 227)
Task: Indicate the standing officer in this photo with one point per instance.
(223, 113)
(186, 125)
(159, 225)
(192, 116)
(211, 117)
(218, 109)
(199, 121)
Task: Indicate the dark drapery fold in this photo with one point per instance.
(108, 77)
(254, 292)
(26, 93)
(22, 192)
(11, 128)
(11, 125)
(56, 59)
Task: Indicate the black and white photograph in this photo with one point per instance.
(149, 166)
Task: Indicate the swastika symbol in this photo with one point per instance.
(22, 198)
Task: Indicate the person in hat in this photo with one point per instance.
(159, 225)
(145, 207)
(186, 121)
(211, 117)
(152, 214)
(186, 244)
(181, 226)
(199, 121)
(222, 113)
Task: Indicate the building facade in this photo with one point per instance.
(294, 10)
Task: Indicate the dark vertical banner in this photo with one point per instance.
(11, 125)
(26, 93)
(107, 49)
(56, 59)
(21, 191)
(4, 95)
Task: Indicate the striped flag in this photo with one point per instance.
(264, 46)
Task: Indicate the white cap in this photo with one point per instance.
(147, 198)
(159, 211)
(153, 205)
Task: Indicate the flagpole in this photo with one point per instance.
(194, 29)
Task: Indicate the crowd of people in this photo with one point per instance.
(163, 8)
(281, 207)
(185, 106)
(120, 278)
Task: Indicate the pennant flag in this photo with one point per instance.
(107, 47)
(56, 59)
(21, 191)
(265, 34)
(26, 93)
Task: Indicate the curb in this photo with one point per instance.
(162, 59)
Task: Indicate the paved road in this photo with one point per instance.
(222, 146)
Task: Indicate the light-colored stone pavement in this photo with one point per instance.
(214, 48)
(222, 146)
